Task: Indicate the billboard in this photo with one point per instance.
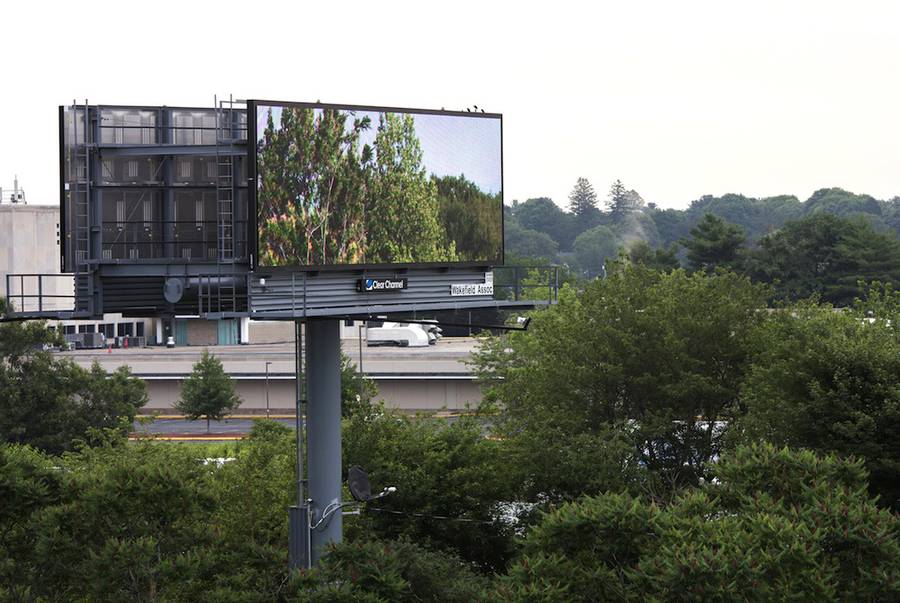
(343, 185)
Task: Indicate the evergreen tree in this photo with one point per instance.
(582, 199)
(618, 199)
(826, 255)
(661, 258)
(622, 201)
(714, 242)
(208, 391)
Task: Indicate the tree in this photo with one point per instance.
(53, 404)
(543, 215)
(469, 217)
(357, 391)
(582, 199)
(777, 525)
(594, 247)
(661, 258)
(528, 243)
(327, 198)
(439, 469)
(113, 522)
(830, 381)
(713, 243)
(402, 215)
(826, 255)
(208, 391)
(390, 570)
(622, 201)
(314, 184)
(655, 357)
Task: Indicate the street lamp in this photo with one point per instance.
(267, 388)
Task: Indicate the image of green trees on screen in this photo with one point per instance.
(343, 187)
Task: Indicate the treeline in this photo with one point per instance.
(657, 435)
(823, 245)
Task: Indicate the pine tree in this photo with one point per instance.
(620, 201)
(582, 199)
(714, 242)
(208, 391)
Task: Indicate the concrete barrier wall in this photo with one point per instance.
(401, 394)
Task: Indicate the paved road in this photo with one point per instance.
(183, 427)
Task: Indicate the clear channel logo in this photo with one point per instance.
(380, 285)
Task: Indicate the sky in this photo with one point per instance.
(676, 99)
(451, 145)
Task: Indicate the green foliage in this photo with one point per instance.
(780, 525)
(357, 391)
(208, 391)
(622, 201)
(311, 174)
(52, 404)
(124, 515)
(714, 243)
(825, 255)
(527, 243)
(438, 469)
(150, 521)
(252, 495)
(326, 198)
(582, 199)
(28, 483)
(661, 258)
(594, 247)
(390, 571)
(841, 203)
(543, 215)
(402, 216)
(655, 357)
(830, 381)
(469, 217)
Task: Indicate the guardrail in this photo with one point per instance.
(41, 295)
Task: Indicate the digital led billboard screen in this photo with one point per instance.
(353, 186)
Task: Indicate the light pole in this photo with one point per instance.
(267, 388)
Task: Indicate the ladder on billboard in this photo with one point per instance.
(228, 130)
(81, 194)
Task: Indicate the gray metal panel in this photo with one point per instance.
(307, 293)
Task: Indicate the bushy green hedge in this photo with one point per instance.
(775, 525)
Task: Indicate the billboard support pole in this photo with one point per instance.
(323, 374)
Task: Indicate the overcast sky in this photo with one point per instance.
(676, 99)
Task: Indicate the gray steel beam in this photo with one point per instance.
(120, 150)
(323, 432)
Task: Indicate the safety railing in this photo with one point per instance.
(189, 240)
(526, 283)
(40, 295)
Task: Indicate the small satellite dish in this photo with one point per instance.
(358, 481)
(173, 290)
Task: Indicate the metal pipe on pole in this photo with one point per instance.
(298, 515)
